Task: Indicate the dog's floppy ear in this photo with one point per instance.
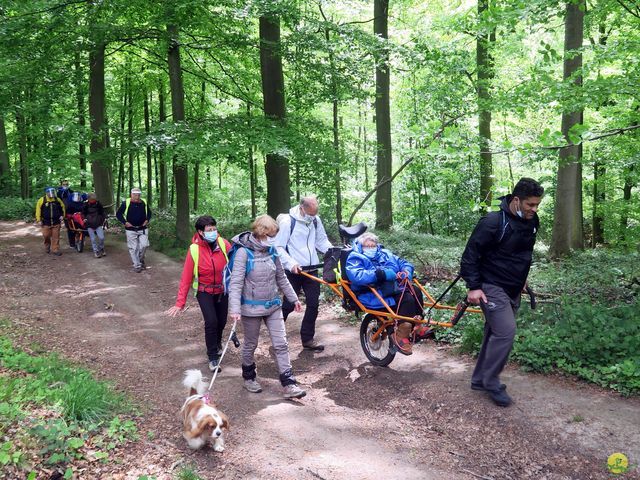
(225, 420)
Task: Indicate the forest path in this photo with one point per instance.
(417, 419)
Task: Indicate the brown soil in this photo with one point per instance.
(416, 419)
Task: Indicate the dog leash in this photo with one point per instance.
(232, 338)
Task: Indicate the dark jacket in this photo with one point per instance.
(63, 194)
(49, 210)
(72, 207)
(499, 250)
(93, 213)
(136, 215)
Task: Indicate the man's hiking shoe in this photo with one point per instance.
(137, 269)
(313, 345)
(103, 253)
(480, 387)
(253, 386)
(500, 397)
(97, 254)
(215, 365)
(293, 391)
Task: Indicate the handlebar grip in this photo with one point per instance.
(532, 297)
(461, 308)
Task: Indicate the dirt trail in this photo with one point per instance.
(417, 419)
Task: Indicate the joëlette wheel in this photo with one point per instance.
(378, 350)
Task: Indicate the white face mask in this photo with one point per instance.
(369, 252)
(268, 242)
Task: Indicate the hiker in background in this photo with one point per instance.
(204, 271)
(93, 215)
(301, 236)
(134, 214)
(49, 214)
(256, 276)
(495, 265)
(65, 194)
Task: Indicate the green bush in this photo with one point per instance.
(596, 343)
(15, 208)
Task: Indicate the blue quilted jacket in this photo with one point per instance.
(363, 271)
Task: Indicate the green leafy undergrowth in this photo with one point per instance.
(48, 404)
(16, 208)
(597, 343)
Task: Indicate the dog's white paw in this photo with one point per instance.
(218, 448)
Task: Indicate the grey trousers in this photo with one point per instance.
(499, 332)
(278, 334)
(137, 242)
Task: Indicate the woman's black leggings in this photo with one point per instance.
(214, 310)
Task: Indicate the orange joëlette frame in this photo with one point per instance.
(389, 317)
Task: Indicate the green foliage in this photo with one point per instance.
(13, 208)
(596, 343)
(187, 473)
(82, 411)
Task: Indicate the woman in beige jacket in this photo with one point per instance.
(253, 297)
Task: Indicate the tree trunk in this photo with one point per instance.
(130, 133)
(626, 199)
(21, 127)
(384, 212)
(277, 166)
(567, 221)
(336, 148)
(82, 148)
(5, 174)
(252, 168)
(100, 163)
(164, 180)
(196, 167)
(484, 66)
(599, 197)
(180, 172)
(147, 129)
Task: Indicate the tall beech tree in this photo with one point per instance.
(384, 212)
(277, 165)
(180, 171)
(567, 215)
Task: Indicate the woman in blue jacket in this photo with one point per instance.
(369, 265)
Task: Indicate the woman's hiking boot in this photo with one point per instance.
(293, 391)
(401, 339)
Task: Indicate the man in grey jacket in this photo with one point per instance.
(300, 237)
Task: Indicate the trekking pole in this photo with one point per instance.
(232, 338)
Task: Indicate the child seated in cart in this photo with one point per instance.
(370, 265)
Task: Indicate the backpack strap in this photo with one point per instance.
(194, 249)
(503, 226)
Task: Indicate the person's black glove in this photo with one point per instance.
(381, 276)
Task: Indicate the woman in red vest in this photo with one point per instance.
(209, 252)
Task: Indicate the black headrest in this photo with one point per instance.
(352, 231)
